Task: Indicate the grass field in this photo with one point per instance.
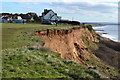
(18, 35)
(21, 62)
(24, 63)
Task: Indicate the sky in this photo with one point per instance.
(80, 10)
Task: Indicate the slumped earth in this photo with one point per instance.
(48, 51)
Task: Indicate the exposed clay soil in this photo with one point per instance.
(71, 44)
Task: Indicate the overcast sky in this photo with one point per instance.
(81, 10)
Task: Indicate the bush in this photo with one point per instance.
(90, 28)
(92, 73)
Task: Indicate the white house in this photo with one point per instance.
(17, 17)
(49, 15)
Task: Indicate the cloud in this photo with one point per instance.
(100, 11)
(92, 1)
(88, 5)
(85, 6)
(92, 9)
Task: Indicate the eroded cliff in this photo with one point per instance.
(72, 44)
(78, 45)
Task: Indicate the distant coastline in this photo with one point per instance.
(102, 23)
(108, 31)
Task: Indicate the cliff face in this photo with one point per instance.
(72, 44)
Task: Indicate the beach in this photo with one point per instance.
(108, 31)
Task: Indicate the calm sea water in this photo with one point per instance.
(111, 30)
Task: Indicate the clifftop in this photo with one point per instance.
(25, 56)
(72, 44)
(80, 45)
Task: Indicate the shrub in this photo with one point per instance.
(90, 28)
(92, 73)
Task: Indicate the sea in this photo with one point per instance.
(109, 31)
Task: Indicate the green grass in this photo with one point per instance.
(24, 63)
(20, 62)
(18, 35)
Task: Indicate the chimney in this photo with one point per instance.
(45, 10)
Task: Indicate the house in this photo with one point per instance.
(4, 19)
(49, 15)
(11, 18)
(26, 17)
(17, 19)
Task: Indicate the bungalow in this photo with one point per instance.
(49, 15)
(27, 17)
(17, 19)
(10, 18)
(5, 19)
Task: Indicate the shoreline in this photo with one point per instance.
(106, 49)
(107, 32)
(100, 34)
